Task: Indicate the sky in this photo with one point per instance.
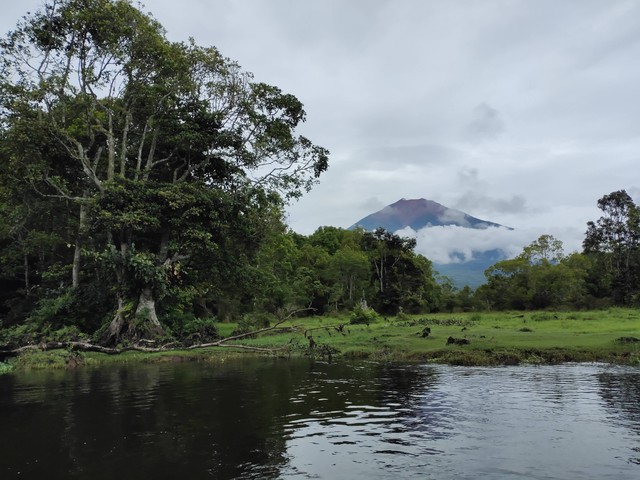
(519, 112)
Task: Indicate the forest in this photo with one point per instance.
(143, 184)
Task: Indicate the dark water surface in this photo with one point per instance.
(265, 419)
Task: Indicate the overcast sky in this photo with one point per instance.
(519, 112)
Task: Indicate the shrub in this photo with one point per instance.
(362, 316)
(70, 333)
(252, 322)
(19, 335)
(401, 316)
(191, 330)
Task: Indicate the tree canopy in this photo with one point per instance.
(158, 163)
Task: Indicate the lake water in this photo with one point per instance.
(264, 418)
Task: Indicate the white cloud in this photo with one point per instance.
(486, 123)
(455, 216)
(455, 244)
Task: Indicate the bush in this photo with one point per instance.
(362, 316)
(19, 335)
(191, 330)
(252, 322)
(401, 316)
(70, 333)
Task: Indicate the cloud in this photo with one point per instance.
(634, 192)
(469, 176)
(486, 123)
(387, 157)
(521, 113)
(455, 244)
(372, 204)
(455, 216)
(480, 202)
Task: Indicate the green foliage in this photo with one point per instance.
(54, 308)
(5, 368)
(70, 333)
(613, 244)
(19, 335)
(541, 277)
(402, 279)
(162, 186)
(363, 316)
(56, 359)
(253, 322)
(190, 330)
(32, 334)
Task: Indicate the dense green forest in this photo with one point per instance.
(142, 192)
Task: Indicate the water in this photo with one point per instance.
(261, 419)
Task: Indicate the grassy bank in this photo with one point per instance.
(481, 339)
(493, 338)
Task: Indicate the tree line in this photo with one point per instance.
(606, 272)
(142, 192)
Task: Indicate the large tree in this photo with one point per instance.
(403, 279)
(613, 241)
(167, 152)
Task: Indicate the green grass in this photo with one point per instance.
(495, 339)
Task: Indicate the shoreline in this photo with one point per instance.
(466, 339)
(62, 359)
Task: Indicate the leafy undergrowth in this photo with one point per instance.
(5, 368)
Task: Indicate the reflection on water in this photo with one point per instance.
(297, 419)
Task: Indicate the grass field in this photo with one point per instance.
(503, 338)
(494, 338)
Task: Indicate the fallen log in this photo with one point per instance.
(223, 342)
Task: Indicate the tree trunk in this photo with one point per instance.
(27, 286)
(82, 221)
(75, 271)
(142, 325)
(115, 330)
(146, 310)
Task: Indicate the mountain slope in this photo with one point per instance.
(418, 214)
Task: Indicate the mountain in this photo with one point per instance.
(418, 214)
